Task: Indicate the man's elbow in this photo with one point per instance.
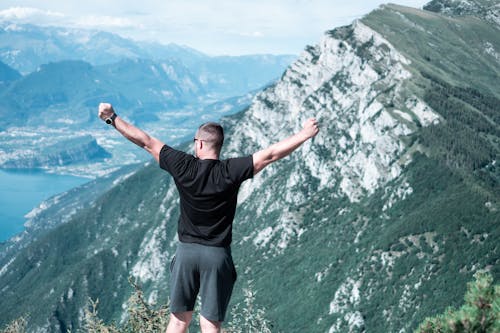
(154, 147)
(261, 164)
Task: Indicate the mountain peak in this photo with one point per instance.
(484, 9)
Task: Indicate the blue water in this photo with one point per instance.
(21, 191)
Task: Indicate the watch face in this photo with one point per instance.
(109, 121)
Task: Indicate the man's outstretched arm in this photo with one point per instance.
(132, 133)
(277, 151)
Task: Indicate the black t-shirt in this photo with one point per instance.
(208, 191)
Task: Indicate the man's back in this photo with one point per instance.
(208, 190)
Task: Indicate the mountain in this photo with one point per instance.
(59, 102)
(72, 69)
(7, 75)
(26, 47)
(39, 97)
(236, 75)
(376, 224)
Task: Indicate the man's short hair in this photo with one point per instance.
(212, 133)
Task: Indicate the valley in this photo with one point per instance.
(20, 145)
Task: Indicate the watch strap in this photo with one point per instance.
(111, 120)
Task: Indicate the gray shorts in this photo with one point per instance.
(205, 270)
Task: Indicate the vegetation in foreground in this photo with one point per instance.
(143, 318)
(479, 314)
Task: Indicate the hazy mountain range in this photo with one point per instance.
(377, 223)
(68, 69)
(66, 73)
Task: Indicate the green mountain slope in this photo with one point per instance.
(38, 98)
(426, 38)
(376, 224)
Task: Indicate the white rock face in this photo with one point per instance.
(152, 258)
(346, 298)
(354, 86)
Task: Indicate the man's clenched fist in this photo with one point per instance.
(311, 128)
(105, 111)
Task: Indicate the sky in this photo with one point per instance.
(215, 27)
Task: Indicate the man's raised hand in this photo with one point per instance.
(310, 128)
(105, 111)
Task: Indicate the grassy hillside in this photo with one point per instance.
(463, 51)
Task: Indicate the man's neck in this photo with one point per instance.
(208, 157)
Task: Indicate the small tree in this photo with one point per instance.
(142, 318)
(92, 323)
(479, 314)
(249, 319)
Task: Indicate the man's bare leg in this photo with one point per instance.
(179, 322)
(209, 326)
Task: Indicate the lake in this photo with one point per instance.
(21, 191)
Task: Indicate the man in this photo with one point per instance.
(208, 189)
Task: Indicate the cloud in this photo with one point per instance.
(28, 14)
(43, 17)
(104, 22)
(254, 34)
(40, 16)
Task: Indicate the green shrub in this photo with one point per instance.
(142, 318)
(479, 314)
(249, 319)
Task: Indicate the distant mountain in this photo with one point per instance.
(26, 47)
(7, 75)
(75, 88)
(71, 70)
(386, 214)
(236, 75)
(139, 87)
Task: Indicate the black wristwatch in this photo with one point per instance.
(111, 120)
